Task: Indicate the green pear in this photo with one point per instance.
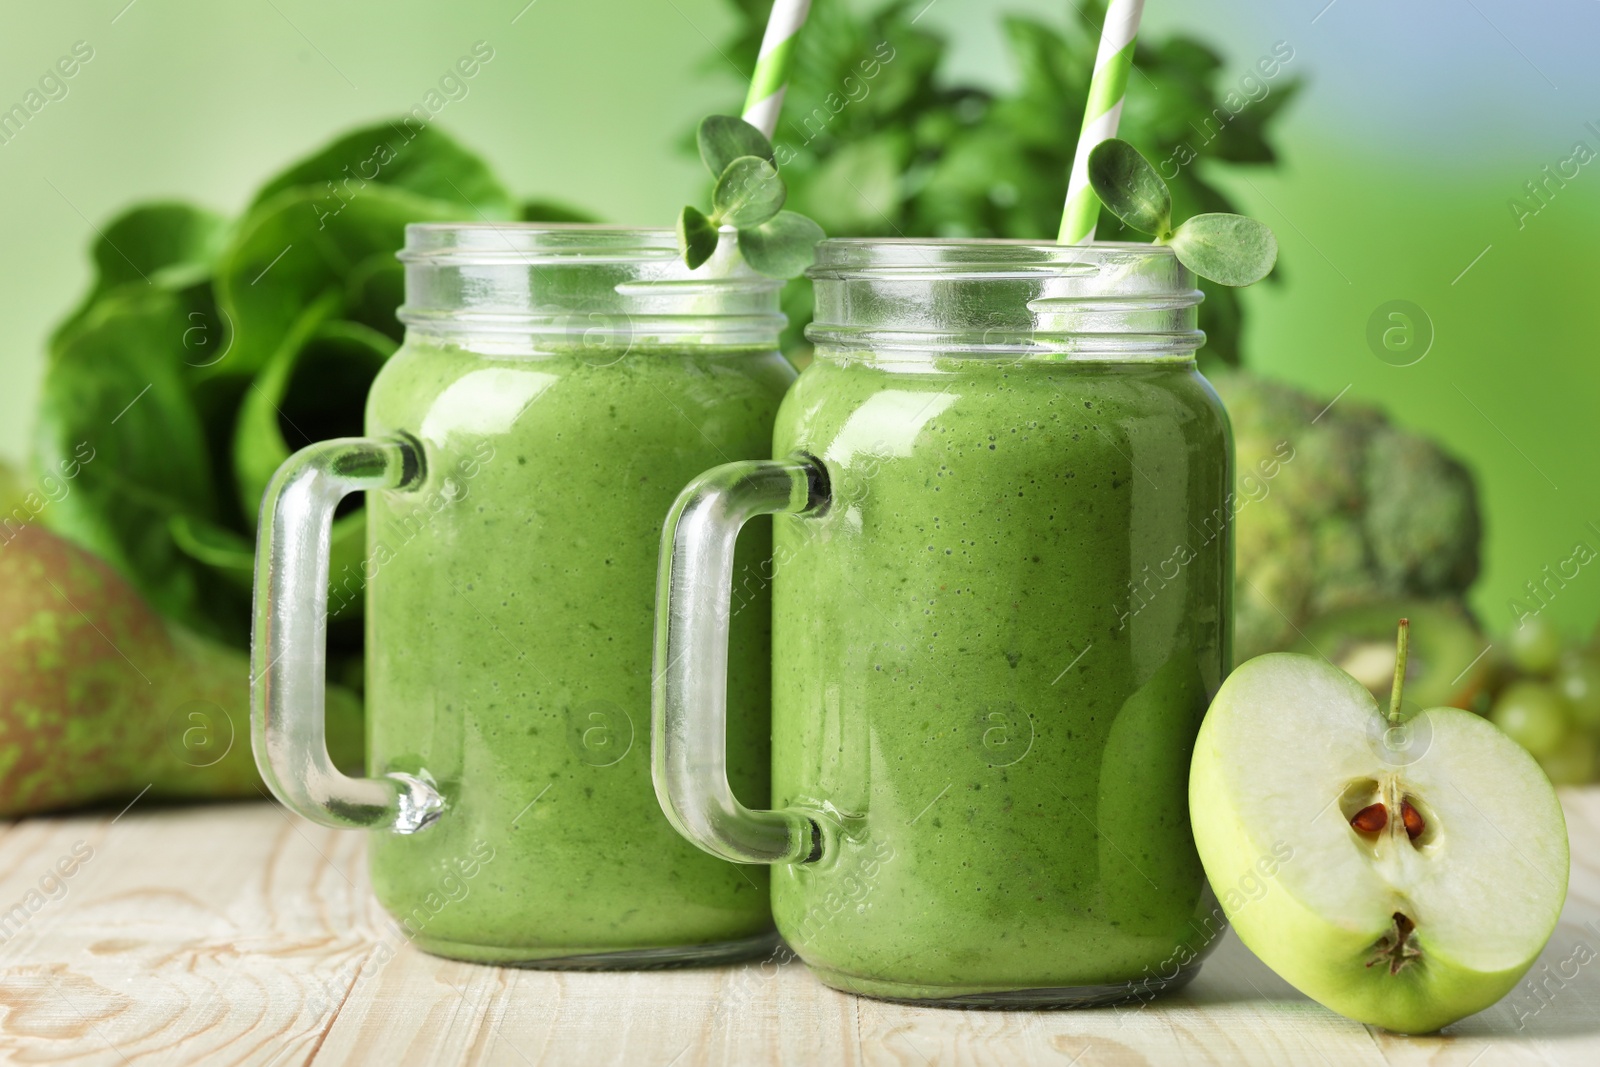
(1419, 864)
(100, 697)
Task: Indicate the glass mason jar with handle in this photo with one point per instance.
(557, 385)
(1002, 568)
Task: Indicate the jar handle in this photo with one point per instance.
(289, 645)
(689, 686)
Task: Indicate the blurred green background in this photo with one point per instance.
(1416, 129)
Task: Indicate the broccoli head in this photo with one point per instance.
(1337, 508)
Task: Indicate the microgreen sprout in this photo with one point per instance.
(1225, 248)
(748, 197)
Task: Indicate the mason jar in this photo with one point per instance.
(1002, 600)
(556, 387)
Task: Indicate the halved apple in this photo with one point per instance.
(1427, 857)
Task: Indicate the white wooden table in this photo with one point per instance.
(240, 934)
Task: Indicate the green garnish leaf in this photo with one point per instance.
(749, 196)
(781, 247)
(1130, 188)
(697, 236)
(935, 151)
(1225, 248)
(1222, 247)
(724, 138)
(748, 193)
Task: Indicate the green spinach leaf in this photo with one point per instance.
(118, 416)
(290, 251)
(425, 162)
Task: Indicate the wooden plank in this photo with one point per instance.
(236, 934)
(1235, 1012)
(214, 934)
(425, 1010)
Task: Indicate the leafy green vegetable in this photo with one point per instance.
(697, 236)
(748, 197)
(173, 243)
(748, 193)
(424, 162)
(879, 138)
(303, 395)
(1226, 248)
(207, 350)
(1130, 188)
(118, 409)
(230, 554)
(304, 254)
(782, 246)
(372, 292)
(1229, 249)
(724, 138)
(167, 244)
(553, 211)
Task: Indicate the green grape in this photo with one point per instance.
(1533, 715)
(1573, 763)
(1535, 646)
(1578, 679)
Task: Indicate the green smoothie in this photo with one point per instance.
(509, 645)
(996, 647)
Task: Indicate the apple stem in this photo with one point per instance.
(1401, 651)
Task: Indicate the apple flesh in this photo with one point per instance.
(1427, 861)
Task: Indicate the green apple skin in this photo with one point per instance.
(1327, 960)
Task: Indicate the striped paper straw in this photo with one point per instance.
(771, 76)
(1100, 116)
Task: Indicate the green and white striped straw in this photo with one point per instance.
(771, 75)
(1100, 116)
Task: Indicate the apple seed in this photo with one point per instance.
(1372, 818)
(1413, 820)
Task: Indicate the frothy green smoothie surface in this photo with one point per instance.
(993, 653)
(509, 643)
